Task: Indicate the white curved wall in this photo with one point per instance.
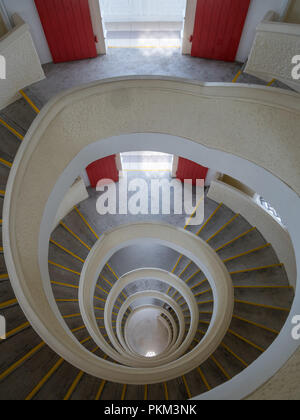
(28, 12)
(275, 45)
(75, 195)
(23, 66)
(257, 10)
(257, 128)
(284, 385)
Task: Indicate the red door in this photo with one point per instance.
(190, 170)
(218, 28)
(68, 28)
(103, 169)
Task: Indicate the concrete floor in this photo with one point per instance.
(127, 62)
(145, 39)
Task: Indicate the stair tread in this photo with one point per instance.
(19, 115)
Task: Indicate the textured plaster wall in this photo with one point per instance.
(23, 66)
(27, 10)
(284, 385)
(271, 56)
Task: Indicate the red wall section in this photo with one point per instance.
(103, 169)
(218, 28)
(68, 28)
(190, 170)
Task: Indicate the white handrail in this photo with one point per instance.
(165, 277)
(185, 243)
(118, 115)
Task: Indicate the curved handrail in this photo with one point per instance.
(165, 277)
(183, 242)
(185, 112)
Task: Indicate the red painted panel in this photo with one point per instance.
(68, 28)
(218, 28)
(190, 170)
(105, 168)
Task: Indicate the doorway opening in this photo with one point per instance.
(143, 24)
(147, 162)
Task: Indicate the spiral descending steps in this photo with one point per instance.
(29, 369)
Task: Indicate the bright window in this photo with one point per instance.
(143, 10)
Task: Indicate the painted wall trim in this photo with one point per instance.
(188, 29)
(98, 26)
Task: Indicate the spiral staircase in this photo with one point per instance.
(138, 276)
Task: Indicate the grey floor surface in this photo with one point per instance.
(134, 61)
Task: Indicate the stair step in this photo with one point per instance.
(112, 391)
(262, 338)
(252, 240)
(6, 292)
(212, 373)
(57, 386)
(9, 143)
(14, 352)
(237, 226)
(230, 363)
(66, 240)
(270, 297)
(19, 115)
(76, 225)
(15, 318)
(275, 276)
(5, 159)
